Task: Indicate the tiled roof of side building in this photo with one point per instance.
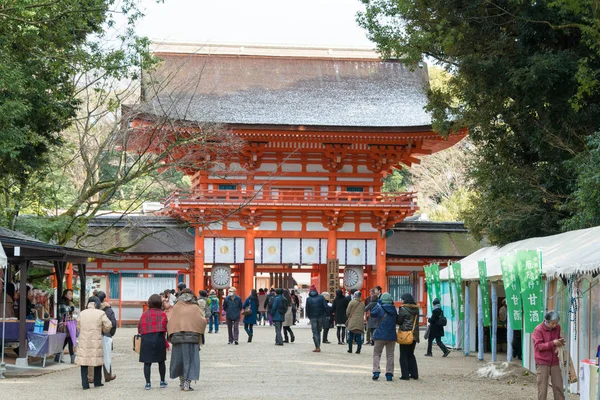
(305, 91)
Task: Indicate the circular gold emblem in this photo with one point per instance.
(224, 249)
(272, 250)
(356, 251)
(310, 250)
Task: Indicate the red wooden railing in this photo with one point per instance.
(291, 197)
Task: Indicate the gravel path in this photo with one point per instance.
(260, 369)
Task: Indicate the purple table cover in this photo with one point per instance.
(40, 344)
(12, 330)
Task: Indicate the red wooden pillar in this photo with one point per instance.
(323, 278)
(381, 272)
(197, 278)
(68, 277)
(249, 267)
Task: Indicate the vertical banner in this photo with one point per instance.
(457, 273)
(333, 276)
(435, 272)
(428, 282)
(512, 288)
(485, 297)
(452, 286)
(532, 291)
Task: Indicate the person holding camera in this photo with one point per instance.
(546, 344)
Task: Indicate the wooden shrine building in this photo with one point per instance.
(320, 128)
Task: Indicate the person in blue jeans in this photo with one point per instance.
(215, 312)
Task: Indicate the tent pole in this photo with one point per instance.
(466, 325)
(479, 323)
(509, 340)
(568, 342)
(494, 321)
(2, 365)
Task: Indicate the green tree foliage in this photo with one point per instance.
(525, 82)
(46, 47)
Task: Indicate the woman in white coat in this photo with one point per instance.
(91, 323)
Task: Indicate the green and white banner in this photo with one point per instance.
(485, 297)
(532, 292)
(457, 274)
(452, 289)
(512, 288)
(435, 272)
(429, 283)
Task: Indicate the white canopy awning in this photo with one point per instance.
(3, 258)
(563, 254)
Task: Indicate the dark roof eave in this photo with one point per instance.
(65, 251)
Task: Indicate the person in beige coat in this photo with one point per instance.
(91, 323)
(356, 324)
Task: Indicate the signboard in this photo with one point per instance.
(140, 289)
(333, 276)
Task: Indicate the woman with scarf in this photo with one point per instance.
(408, 319)
(153, 348)
(186, 324)
(436, 331)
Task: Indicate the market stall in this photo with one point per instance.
(567, 281)
(20, 252)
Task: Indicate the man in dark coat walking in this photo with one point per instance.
(233, 307)
(316, 307)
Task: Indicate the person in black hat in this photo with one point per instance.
(436, 329)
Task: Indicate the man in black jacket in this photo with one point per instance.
(315, 311)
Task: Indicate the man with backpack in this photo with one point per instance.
(277, 313)
(214, 316)
(437, 321)
(269, 304)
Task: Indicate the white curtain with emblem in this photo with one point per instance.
(356, 252)
(290, 251)
(223, 250)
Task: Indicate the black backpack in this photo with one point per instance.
(283, 306)
(442, 321)
(270, 302)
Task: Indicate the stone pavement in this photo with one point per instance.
(260, 369)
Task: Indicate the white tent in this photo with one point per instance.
(563, 254)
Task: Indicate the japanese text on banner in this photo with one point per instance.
(457, 273)
(532, 293)
(485, 297)
(512, 289)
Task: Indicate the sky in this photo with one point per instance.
(306, 22)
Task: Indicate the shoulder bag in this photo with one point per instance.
(407, 337)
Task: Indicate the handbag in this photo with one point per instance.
(426, 336)
(406, 337)
(137, 342)
(247, 311)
